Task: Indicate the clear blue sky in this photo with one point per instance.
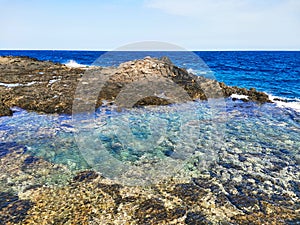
(108, 24)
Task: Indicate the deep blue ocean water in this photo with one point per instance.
(269, 130)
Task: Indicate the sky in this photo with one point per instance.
(190, 24)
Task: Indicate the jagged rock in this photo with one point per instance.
(196, 218)
(15, 212)
(252, 93)
(151, 211)
(189, 192)
(48, 87)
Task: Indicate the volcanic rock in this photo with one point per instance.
(49, 87)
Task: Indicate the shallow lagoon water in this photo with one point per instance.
(176, 131)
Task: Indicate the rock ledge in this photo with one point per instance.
(49, 87)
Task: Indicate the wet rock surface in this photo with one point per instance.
(253, 186)
(196, 218)
(5, 110)
(219, 196)
(15, 212)
(35, 191)
(85, 176)
(6, 198)
(48, 87)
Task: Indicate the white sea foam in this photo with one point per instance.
(52, 81)
(30, 83)
(10, 85)
(237, 96)
(73, 64)
(286, 102)
(196, 72)
(190, 70)
(17, 84)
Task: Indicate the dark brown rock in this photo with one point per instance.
(176, 213)
(113, 190)
(15, 212)
(196, 218)
(151, 211)
(6, 198)
(252, 93)
(152, 100)
(189, 193)
(5, 110)
(85, 176)
(245, 203)
(48, 87)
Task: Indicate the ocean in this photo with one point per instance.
(253, 147)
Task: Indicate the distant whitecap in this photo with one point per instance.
(73, 64)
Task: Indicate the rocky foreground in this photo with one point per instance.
(229, 193)
(240, 188)
(43, 86)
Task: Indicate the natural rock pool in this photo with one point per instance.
(191, 160)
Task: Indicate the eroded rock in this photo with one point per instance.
(48, 87)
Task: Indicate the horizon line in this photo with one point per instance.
(106, 50)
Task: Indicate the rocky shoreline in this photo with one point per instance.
(255, 185)
(48, 87)
(44, 193)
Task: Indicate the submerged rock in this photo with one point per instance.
(15, 212)
(85, 176)
(196, 218)
(6, 198)
(151, 211)
(33, 196)
(5, 110)
(49, 87)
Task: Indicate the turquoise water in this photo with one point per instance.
(176, 132)
(191, 136)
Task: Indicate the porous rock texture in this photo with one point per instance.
(48, 87)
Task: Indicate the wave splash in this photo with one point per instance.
(73, 64)
(197, 72)
(289, 103)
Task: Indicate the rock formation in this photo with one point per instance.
(49, 87)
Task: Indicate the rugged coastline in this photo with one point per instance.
(48, 87)
(251, 184)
